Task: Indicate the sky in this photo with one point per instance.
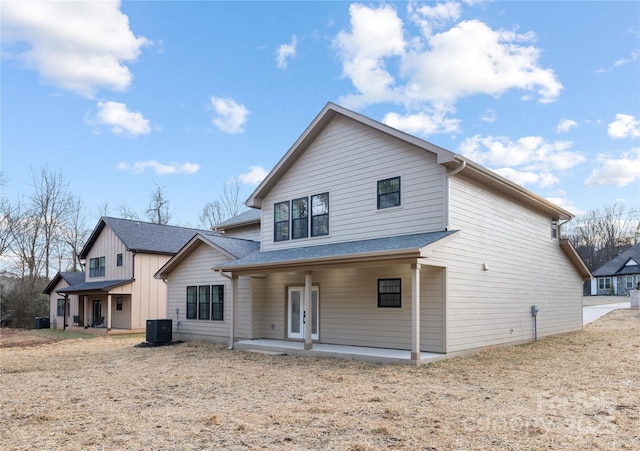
(124, 97)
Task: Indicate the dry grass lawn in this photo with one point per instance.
(575, 391)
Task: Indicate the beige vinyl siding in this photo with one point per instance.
(108, 245)
(246, 233)
(55, 320)
(196, 270)
(349, 314)
(346, 160)
(525, 267)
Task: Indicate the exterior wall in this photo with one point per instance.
(246, 233)
(108, 245)
(525, 267)
(346, 160)
(349, 314)
(57, 322)
(196, 270)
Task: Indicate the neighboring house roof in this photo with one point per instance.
(104, 285)
(445, 157)
(143, 236)
(72, 278)
(364, 249)
(233, 248)
(251, 216)
(618, 266)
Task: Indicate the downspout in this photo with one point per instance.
(233, 309)
(447, 191)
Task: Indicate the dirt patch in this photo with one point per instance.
(22, 338)
(576, 391)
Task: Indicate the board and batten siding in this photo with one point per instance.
(108, 245)
(346, 160)
(525, 266)
(349, 314)
(196, 270)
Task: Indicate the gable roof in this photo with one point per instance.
(233, 248)
(369, 250)
(72, 278)
(617, 265)
(450, 160)
(143, 236)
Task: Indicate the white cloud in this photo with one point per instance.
(77, 46)
(229, 116)
(468, 59)
(616, 171)
(489, 115)
(285, 52)
(255, 175)
(121, 120)
(139, 167)
(624, 126)
(530, 153)
(542, 179)
(565, 125)
(424, 123)
(565, 203)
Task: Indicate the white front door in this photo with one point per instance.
(295, 313)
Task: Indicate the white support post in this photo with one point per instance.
(109, 312)
(85, 320)
(308, 314)
(234, 303)
(415, 312)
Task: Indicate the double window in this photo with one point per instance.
(291, 218)
(604, 283)
(389, 293)
(205, 302)
(96, 267)
(388, 193)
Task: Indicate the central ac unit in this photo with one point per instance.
(159, 331)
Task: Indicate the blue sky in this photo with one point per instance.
(123, 97)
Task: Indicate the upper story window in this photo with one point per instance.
(389, 193)
(281, 221)
(291, 219)
(96, 267)
(554, 229)
(119, 260)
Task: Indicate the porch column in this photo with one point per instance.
(109, 312)
(85, 320)
(308, 315)
(232, 307)
(415, 312)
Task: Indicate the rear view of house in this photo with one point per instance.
(371, 237)
(117, 289)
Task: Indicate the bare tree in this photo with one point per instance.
(50, 203)
(158, 210)
(127, 213)
(9, 216)
(231, 203)
(74, 234)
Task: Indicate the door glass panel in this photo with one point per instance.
(314, 313)
(295, 312)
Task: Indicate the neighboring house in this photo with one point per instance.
(118, 289)
(372, 237)
(63, 310)
(618, 276)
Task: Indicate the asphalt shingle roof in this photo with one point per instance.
(615, 266)
(336, 250)
(246, 216)
(104, 285)
(235, 246)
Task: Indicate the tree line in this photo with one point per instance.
(43, 232)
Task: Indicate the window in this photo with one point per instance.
(119, 260)
(205, 302)
(554, 229)
(389, 294)
(299, 218)
(629, 282)
(217, 302)
(96, 267)
(60, 307)
(389, 193)
(281, 221)
(118, 303)
(192, 302)
(294, 215)
(320, 214)
(604, 283)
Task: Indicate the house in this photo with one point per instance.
(371, 237)
(118, 289)
(618, 276)
(63, 310)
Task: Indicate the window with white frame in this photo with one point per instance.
(604, 283)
